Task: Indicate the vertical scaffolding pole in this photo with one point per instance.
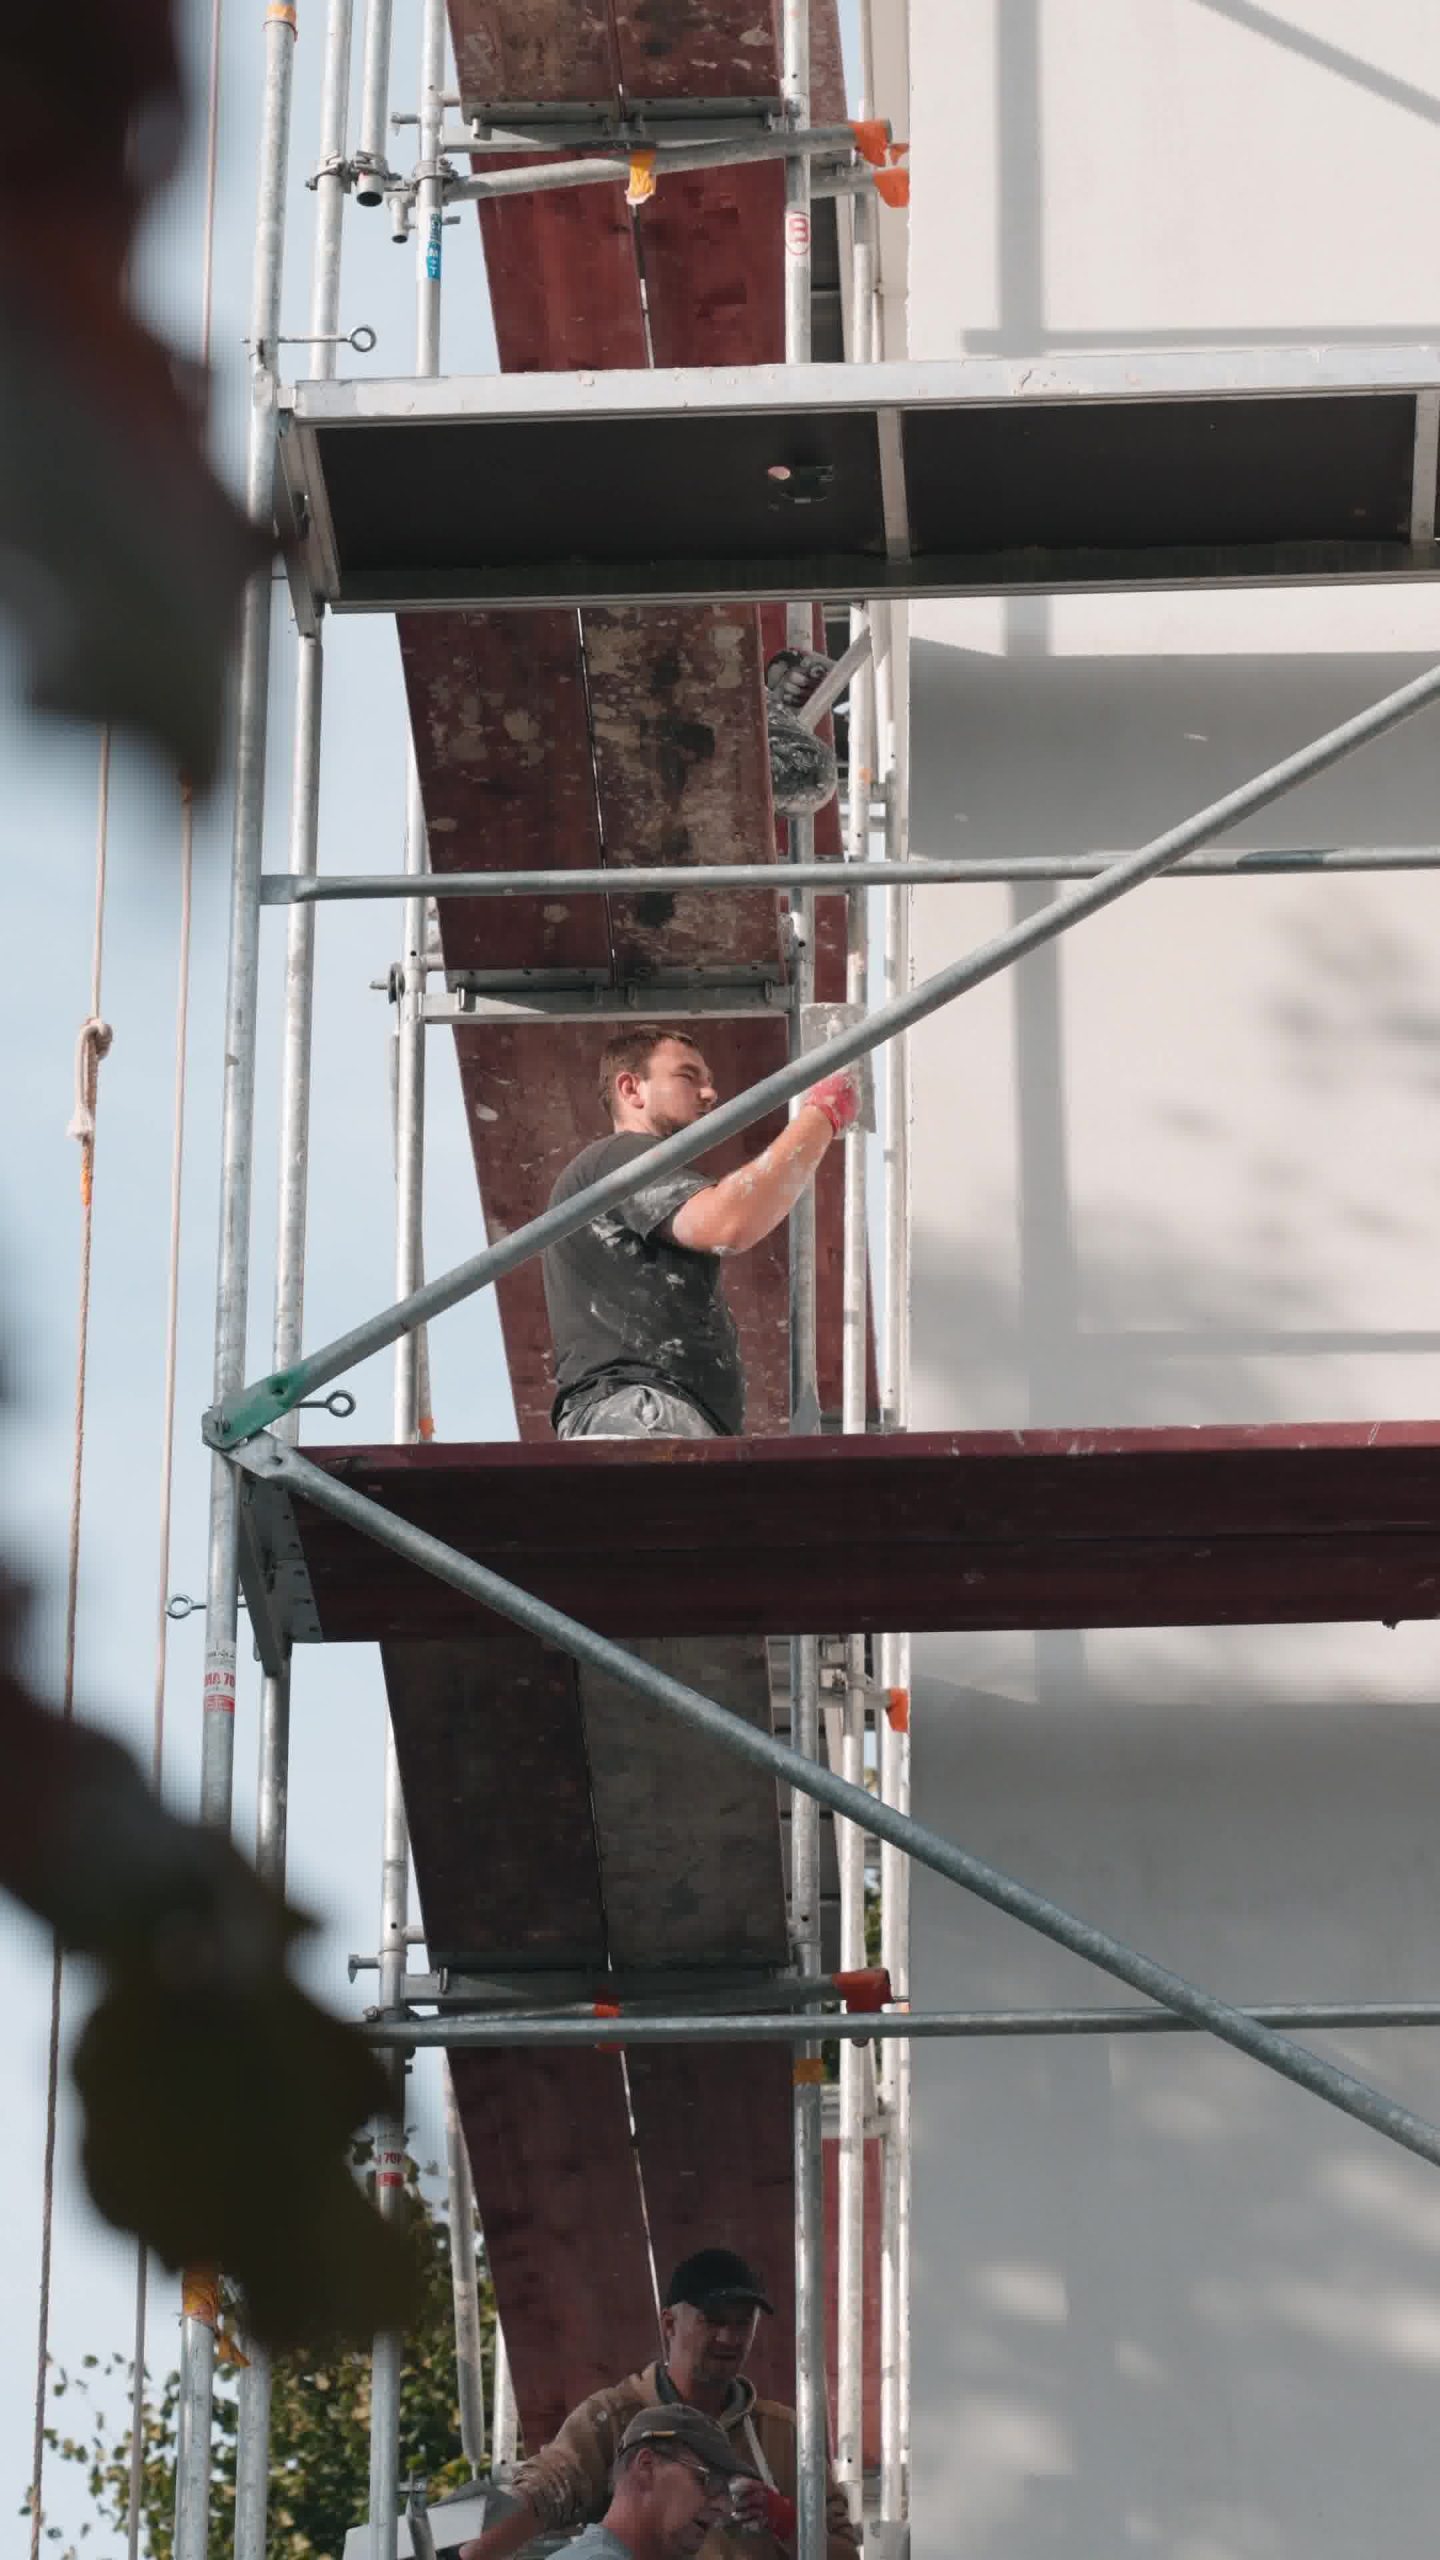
(371, 155)
(222, 1593)
(854, 2064)
(804, 1416)
(469, 2371)
(389, 2140)
(252, 2425)
(252, 2449)
(895, 1662)
(387, 2353)
(504, 2427)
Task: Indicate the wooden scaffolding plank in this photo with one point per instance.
(502, 741)
(696, 48)
(691, 1867)
(484, 1727)
(683, 775)
(947, 1530)
(543, 49)
(564, 285)
(558, 2193)
(689, 1850)
(492, 1757)
(711, 242)
(713, 2128)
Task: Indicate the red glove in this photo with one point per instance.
(780, 2513)
(838, 1096)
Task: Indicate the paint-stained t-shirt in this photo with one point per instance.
(629, 1306)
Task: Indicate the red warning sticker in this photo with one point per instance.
(797, 235)
(219, 1698)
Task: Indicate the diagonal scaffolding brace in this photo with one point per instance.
(270, 1460)
(239, 1416)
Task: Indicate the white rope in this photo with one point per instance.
(92, 1045)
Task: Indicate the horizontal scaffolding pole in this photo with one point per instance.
(286, 889)
(272, 1462)
(252, 1408)
(614, 169)
(769, 143)
(459, 2034)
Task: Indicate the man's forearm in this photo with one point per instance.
(747, 1205)
(499, 2540)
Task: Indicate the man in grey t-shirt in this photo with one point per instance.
(672, 2484)
(645, 1345)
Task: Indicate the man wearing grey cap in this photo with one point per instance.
(672, 2486)
(712, 2306)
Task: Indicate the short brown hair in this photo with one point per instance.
(630, 1053)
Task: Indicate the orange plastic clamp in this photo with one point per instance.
(809, 2072)
(897, 1708)
(872, 139)
(641, 185)
(892, 186)
(607, 2009)
(865, 1991)
(200, 2295)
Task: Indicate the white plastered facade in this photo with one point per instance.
(1183, 1167)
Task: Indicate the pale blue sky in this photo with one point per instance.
(47, 833)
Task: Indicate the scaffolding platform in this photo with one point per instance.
(952, 1530)
(705, 484)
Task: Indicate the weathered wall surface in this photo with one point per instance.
(1182, 1169)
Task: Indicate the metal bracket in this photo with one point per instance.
(546, 122)
(362, 338)
(334, 165)
(372, 176)
(822, 1022)
(474, 997)
(495, 1990)
(274, 1574)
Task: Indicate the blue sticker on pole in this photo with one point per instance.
(433, 238)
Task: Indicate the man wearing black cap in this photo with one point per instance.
(712, 2306)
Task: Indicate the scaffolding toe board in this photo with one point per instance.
(941, 1530)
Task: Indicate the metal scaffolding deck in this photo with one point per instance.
(957, 1530)
(1259, 466)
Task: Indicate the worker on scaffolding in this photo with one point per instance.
(645, 1345)
(672, 2487)
(712, 2309)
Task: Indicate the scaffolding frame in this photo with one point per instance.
(250, 1427)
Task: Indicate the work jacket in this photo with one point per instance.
(568, 2481)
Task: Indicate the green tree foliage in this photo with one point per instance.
(320, 2427)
